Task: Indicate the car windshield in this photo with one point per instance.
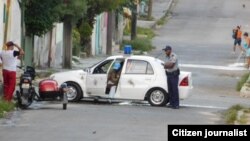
(85, 68)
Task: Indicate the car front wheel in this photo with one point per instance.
(157, 97)
(74, 93)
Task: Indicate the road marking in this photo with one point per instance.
(231, 67)
(204, 106)
(130, 103)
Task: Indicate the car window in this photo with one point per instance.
(103, 67)
(138, 67)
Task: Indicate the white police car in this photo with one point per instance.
(141, 78)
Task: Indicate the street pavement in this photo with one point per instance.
(195, 45)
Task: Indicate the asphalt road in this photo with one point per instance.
(200, 33)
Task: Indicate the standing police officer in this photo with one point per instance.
(172, 72)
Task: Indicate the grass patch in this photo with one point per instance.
(161, 21)
(141, 44)
(242, 81)
(231, 114)
(146, 31)
(5, 107)
(145, 18)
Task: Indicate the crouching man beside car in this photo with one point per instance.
(113, 79)
(172, 72)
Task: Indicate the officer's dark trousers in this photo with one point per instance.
(173, 89)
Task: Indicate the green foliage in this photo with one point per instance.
(85, 29)
(231, 114)
(75, 9)
(94, 8)
(141, 44)
(40, 16)
(76, 42)
(242, 81)
(5, 107)
(161, 21)
(146, 31)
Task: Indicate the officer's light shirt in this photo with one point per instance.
(173, 59)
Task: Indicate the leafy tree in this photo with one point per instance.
(40, 16)
(86, 24)
(71, 11)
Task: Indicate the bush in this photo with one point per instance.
(232, 113)
(146, 31)
(242, 81)
(76, 43)
(141, 44)
(5, 107)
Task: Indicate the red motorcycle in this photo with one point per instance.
(48, 90)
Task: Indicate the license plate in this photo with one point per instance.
(25, 86)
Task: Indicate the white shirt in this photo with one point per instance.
(173, 59)
(9, 59)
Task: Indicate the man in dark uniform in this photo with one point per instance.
(172, 72)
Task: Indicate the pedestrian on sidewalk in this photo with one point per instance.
(172, 72)
(9, 58)
(237, 33)
(246, 46)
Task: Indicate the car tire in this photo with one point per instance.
(157, 97)
(75, 93)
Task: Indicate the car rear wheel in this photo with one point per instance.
(157, 97)
(74, 92)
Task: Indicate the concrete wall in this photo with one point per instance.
(99, 36)
(1, 23)
(48, 49)
(14, 22)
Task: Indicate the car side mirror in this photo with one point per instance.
(88, 70)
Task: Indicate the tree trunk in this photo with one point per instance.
(150, 7)
(110, 33)
(134, 22)
(67, 36)
(50, 48)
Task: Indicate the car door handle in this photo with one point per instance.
(148, 79)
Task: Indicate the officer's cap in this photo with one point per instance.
(167, 48)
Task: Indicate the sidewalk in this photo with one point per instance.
(160, 8)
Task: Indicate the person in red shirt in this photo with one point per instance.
(9, 63)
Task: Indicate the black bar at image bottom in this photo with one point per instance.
(208, 132)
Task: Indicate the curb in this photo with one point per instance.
(167, 11)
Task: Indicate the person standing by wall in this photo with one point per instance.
(9, 61)
(172, 72)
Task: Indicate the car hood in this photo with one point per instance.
(68, 73)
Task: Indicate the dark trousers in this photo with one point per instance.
(173, 81)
